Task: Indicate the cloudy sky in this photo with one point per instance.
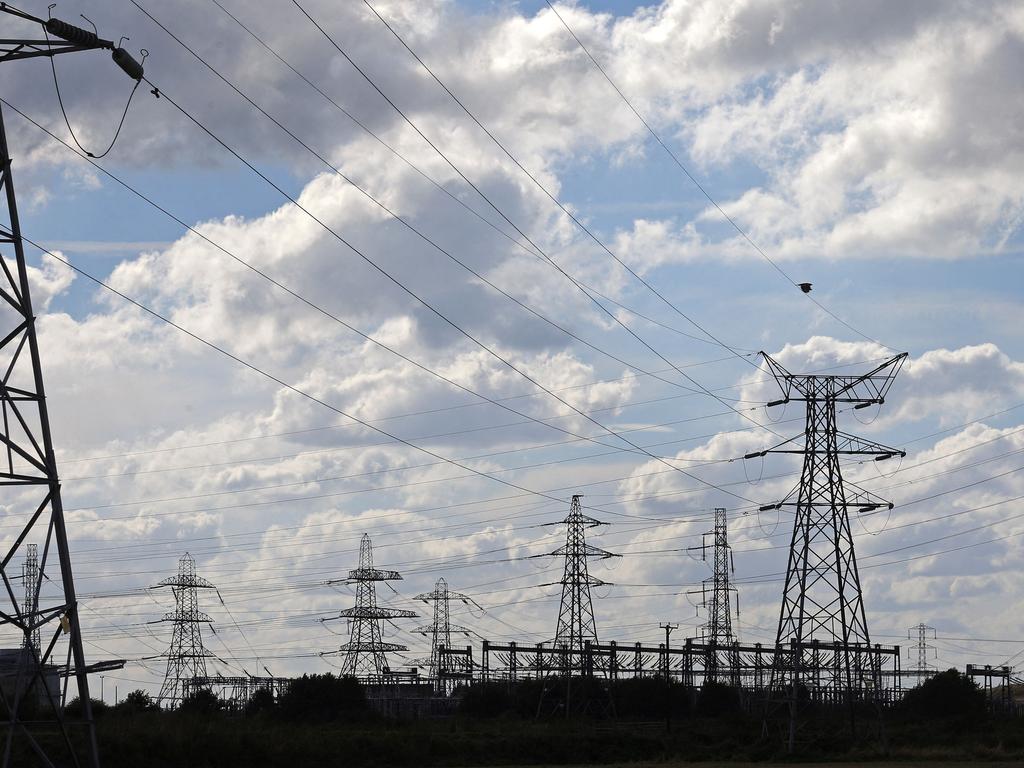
(404, 322)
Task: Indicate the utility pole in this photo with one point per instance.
(668, 627)
(441, 629)
(187, 656)
(822, 597)
(28, 464)
(364, 656)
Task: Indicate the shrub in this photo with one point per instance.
(137, 701)
(322, 698)
(947, 694)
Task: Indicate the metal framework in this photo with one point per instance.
(440, 634)
(364, 656)
(48, 625)
(187, 656)
(822, 597)
(236, 692)
(996, 683)
(920, 634)
(576, 624)
(30, 606)
(691, 663)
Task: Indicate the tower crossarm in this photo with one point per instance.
(863, 390)
(373, 612)
(845, 445)
(584, 521)
(368, 574)
(428, 629)
(586, 551)
(180, 582)
(193, 617)
(363, 647)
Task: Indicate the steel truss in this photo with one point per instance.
(236, 692)
(822, 597)
(745, 666)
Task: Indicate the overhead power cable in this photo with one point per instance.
(431, 308)
(440, 187)
(634, 448)
(679, 164)
(540, 251)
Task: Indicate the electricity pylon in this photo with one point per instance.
(717, 594)
(440, 631)
(718, 590)
(576, 623)
(822, 599)
(28, 466)
(921, 633)
(364, 656)
(30, 606)
(187, 656)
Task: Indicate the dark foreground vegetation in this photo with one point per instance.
(325, 721)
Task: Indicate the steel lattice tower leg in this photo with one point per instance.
(28, 467)
(364, 656)
(822, 599)
(441, 629)
(187, 656)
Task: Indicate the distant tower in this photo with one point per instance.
(30, 576)
(922, 633)
(822, 597)
(576, 622)
(365, 654)
(440, 631)
(719, 624)
(187, 656)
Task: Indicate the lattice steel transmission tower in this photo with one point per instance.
(921, 633)
(822, 600)
(30, 606)
(718, 590)
(440, 633)
(576, 623)
(28, 467)
(187, 656)
(364, 656)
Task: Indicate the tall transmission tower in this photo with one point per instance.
(718, 590)
(921, 634)
(365, 654)
(30, 606)
(576, 623)
(441, 629)
(821, 599)
(28, 466)
(187, 656)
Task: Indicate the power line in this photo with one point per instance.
(696, 183)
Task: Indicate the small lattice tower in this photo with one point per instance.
(718, 627)
(364, 656)
(576, 623)
(440, 631)
(30, 607)
(921, 634)
(187, 656)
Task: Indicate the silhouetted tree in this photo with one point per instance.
(322, 698)
(947, 694)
